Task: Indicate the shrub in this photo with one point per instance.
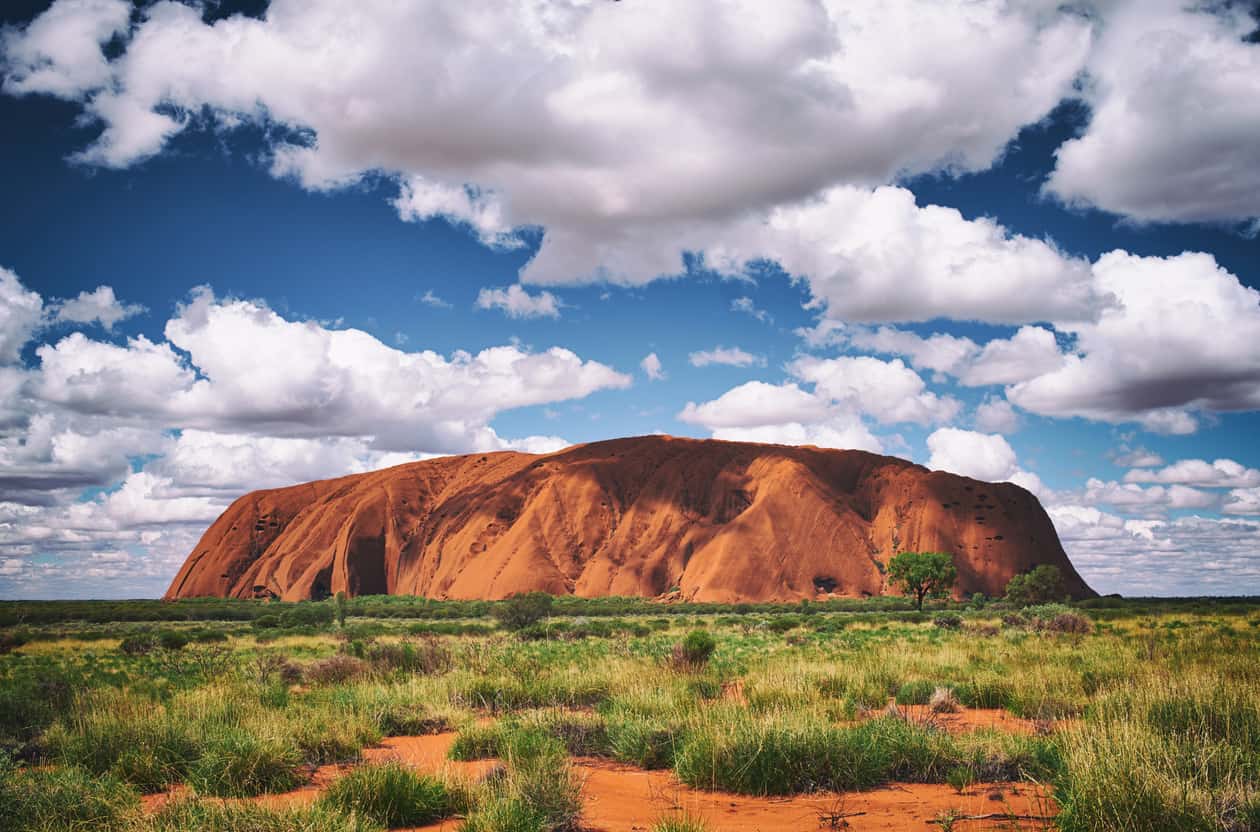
(1039, 586)
(334, 670)
(172, 640)
(1069, 622)
(307, 614)
(339, 604)
(948, 621)
(11, 640)
(424, 656)
(783, 623)
(523, 609)
(266, 622)
(137, 645)
(269, 666)
(390, 794)
(694, 651)
(540, 631)
(1057, 618)
(1044, 612)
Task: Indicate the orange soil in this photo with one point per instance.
(970, 719)
(625, 799)
(620, 798)
(427, 753)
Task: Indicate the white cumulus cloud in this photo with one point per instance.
(981, 456)
(1174, 98)
(729, 356)
(98, 306)
(517, 302)
(1220, 473)
(651, 366)
(577, 118)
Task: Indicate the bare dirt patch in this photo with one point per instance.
(621, 798)
(971, 719)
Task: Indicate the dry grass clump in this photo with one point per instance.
(943, 701)
(1072, 623)
(335, 670)
(680, 822)
(425, 655)
(273, 666)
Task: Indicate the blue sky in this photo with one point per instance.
(232, 259)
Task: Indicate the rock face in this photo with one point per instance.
(722, 521)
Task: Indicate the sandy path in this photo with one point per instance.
(625, 799)
(621, 798)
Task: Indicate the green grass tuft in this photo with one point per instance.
(238, 764)
(390, 794)
(60, 799)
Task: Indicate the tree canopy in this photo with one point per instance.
(1038, 586)
(923, 574)
(523, 609)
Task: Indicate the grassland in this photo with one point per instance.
(1137, 715)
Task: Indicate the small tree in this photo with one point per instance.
(923, 574)
(1040, 586)
(339, 601)
(523, 609)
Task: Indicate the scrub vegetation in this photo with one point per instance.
(1136, 715)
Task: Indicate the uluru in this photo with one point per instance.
(706, 520)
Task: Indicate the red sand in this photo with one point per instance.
(969, 719)
(619, 798)
(625, 799)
